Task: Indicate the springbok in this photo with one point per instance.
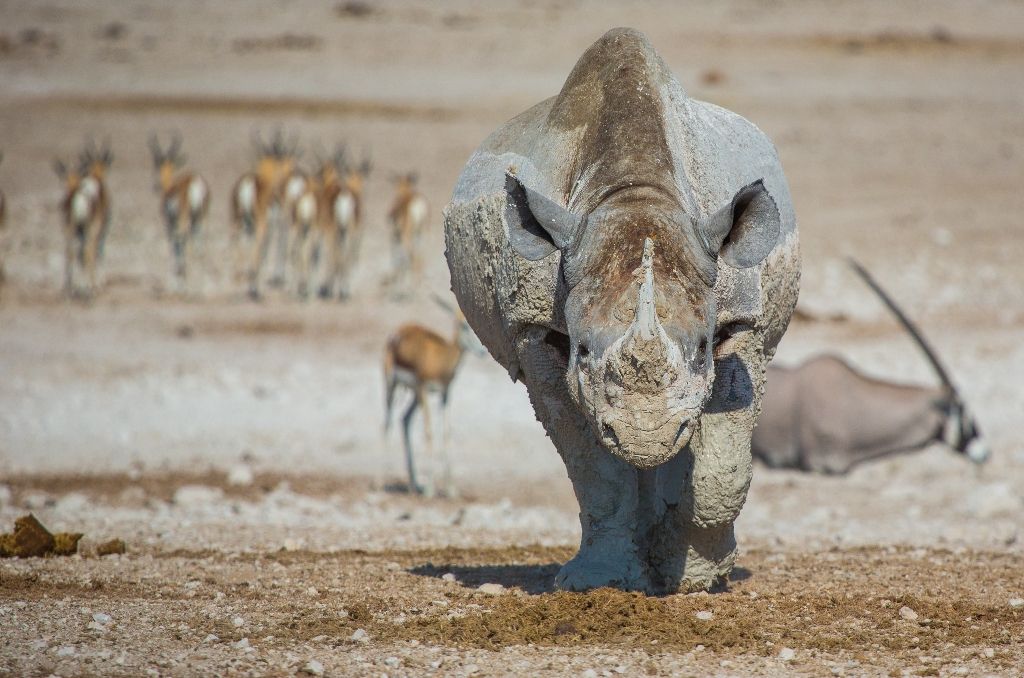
(313, 240)
(422, 361)
(85, 211)
(255, 203)
(346, 210)
(408, 216)
(184, 200)
(826, 417)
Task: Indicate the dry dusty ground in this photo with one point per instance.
(237, 447)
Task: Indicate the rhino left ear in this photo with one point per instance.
(538, 224)
(744, 231)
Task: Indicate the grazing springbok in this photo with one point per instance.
(422, 361)
(184, 200)
(826, 417)
(85, 208)
(255, 203)
(408, 216)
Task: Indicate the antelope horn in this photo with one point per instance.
(154, 147)
(175, 147)
(908, 325)
(443, 303)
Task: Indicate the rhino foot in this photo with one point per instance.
(590, 570)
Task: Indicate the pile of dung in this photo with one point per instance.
(30, 540)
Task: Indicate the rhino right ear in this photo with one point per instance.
(537, 224)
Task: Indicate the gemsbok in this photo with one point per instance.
(423, 362)
(824, 416)
(408, 217)
(184, 201)
(85, 208)
(255, 203)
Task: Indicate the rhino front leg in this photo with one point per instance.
(606, 487)
(706, 485)
(607, 490)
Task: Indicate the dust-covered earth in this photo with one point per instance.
(237, 447)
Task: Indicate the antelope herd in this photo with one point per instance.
(307, 220)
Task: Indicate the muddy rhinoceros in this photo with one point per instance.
(631, 255)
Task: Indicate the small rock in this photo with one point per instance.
(787, 654)
(705, 615)
(1016, 603)
(590, 673)
(988, 652)
(94, 626)
(448, 576)
(471, 669)
(101, 618)
(240, 475)
(192, 496)
(393, 662)
(243, 644)
(360, 636)
(312, 591)
(491, 589)
(313, 668)
(908, 614)
(238, 622)
(211, 638)
(65, 651)
(291, 544)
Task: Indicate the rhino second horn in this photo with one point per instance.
(646, 321)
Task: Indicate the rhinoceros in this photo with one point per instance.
(631, 255)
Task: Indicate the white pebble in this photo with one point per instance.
(65, 651)
(211, 638)
(240, 476)
(989, 653)
(238, 622)
(908, 614)
(313, 668)
(705, 615)
(787, 654)
(243, 644)
(393, 662)
(1016, 602)
(491, 589)
(360, 636)
(448, 576)
(312, 591)
(590, 673)
(101, 618)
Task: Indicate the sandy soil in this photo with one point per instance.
(237, 448)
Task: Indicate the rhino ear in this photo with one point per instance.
(537, 224)
(745, 230)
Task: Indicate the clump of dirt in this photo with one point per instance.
(31, 540)
(112, 547)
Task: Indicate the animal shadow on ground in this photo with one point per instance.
(533, 579)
